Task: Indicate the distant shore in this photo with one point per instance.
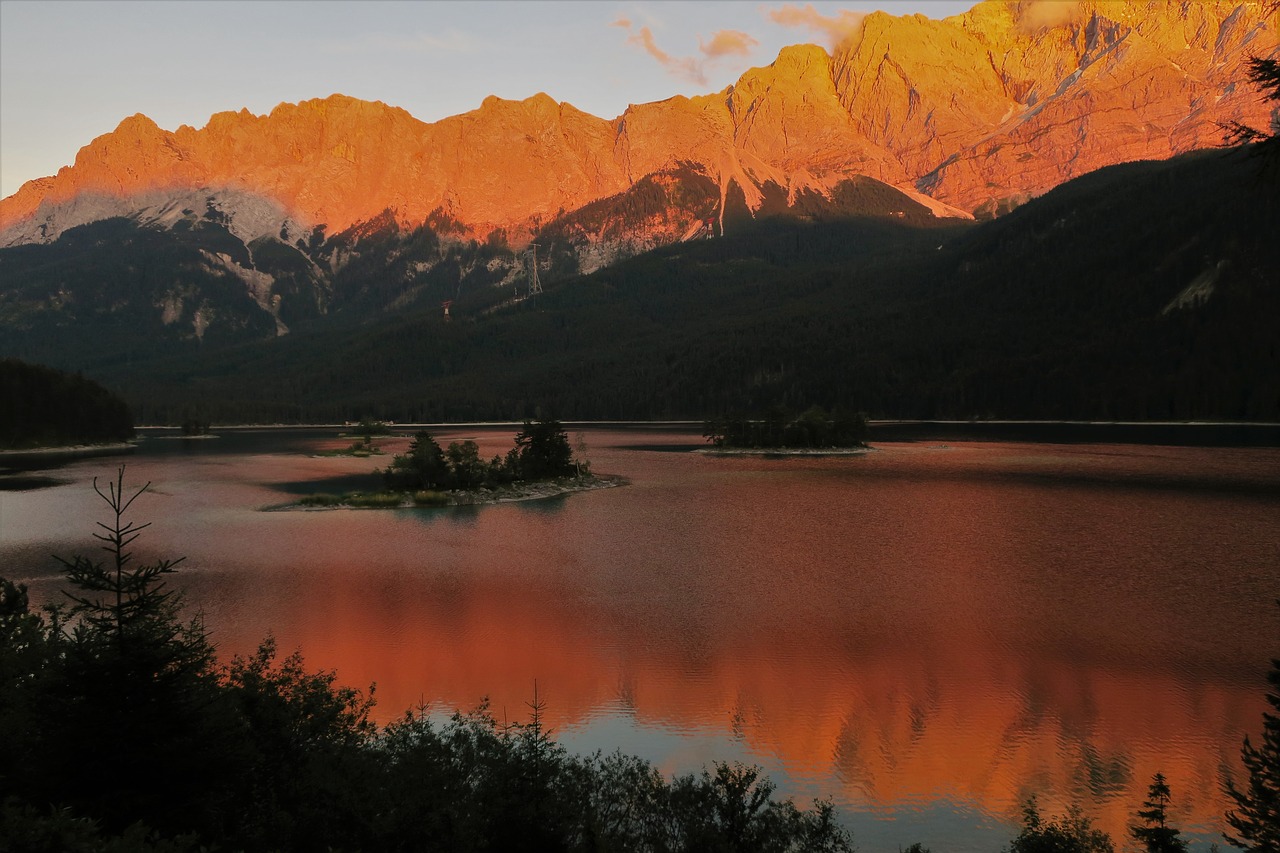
(1174, 433)
(1177, 433)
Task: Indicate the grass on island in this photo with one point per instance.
(377, 500)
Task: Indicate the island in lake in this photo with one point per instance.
(539, 465)
(813, 432)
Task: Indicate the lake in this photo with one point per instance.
(926, 634)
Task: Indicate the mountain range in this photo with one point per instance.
(333, 223)
(975, 113)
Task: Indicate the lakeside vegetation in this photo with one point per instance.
(135, 737)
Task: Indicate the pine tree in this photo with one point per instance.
(1156, 834)
(1264, 73)
(128, 606)
(130, 727)
(1255, 820)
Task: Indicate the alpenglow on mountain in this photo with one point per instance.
(968, 115)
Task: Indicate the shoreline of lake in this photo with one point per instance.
(36, 458)
(1141, 433)
(510, 493)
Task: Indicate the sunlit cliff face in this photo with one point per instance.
(1007, 100)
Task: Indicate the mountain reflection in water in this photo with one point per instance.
(926, 633)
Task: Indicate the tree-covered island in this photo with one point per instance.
(813, 431)
(540, 464)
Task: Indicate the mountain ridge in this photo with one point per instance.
(1142, 291)
(1043, 100)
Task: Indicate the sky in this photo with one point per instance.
(71, 71)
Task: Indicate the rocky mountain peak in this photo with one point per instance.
(1000, 103)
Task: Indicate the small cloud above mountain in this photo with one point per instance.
(728, 43)
(836, 28)
(722, 43)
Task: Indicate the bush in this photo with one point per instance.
(1072, 833)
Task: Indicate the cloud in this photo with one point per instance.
(837, 28)
(681, 66)
(723, 43)
(1037, 15)
(728, 43)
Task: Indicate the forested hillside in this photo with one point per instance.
(1142, 291)
(1145, 290)
(45, 407)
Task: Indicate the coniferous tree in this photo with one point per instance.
(422, 467)
(131, 722)
(1264, 73)
(1255, 820)
(1156, 833)
(542, 450)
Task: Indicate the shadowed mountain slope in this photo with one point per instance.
(1140, 291)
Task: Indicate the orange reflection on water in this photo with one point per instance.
(923, 625)
(899, 724)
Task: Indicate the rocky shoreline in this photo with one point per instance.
(536, 491)
(510, 493)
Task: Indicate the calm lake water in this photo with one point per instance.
(926, 634)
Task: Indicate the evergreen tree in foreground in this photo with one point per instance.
(1156, 834)
(131, 738)
(1255, 820)
(127, 718)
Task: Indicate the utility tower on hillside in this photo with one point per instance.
(534, 285)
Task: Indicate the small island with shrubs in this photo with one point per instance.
(813, 432)
(540, 464)
(365, 430)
